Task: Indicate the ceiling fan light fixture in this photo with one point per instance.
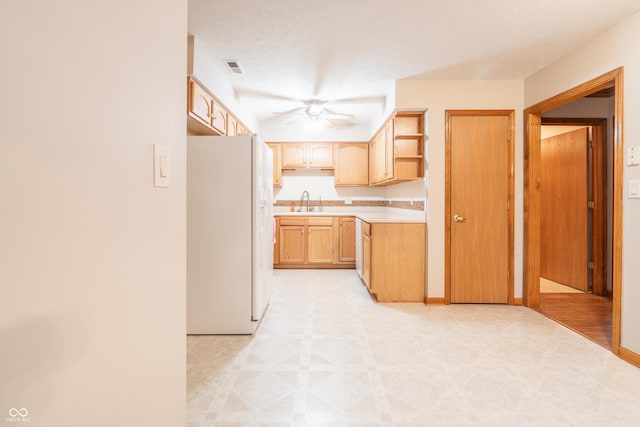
(314, 111)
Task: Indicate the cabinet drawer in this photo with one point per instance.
(366, 228)
(325, 220)
(288, 220)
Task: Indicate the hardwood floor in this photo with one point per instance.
(586, 314)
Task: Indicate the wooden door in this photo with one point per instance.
(294, 156)
(200, 103)
(292, 244)
(320, 244)
(564, 231)
(366, 260)
(389, 151)
(377, 164)
(219, 118)
(277, 163)
(320, 155)
(347, 239)
(479, 237)
(351, 164)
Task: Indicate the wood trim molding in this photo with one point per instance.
(510, 194)
(531, 264)
(629, 356)
(434, 301)
(517, 301)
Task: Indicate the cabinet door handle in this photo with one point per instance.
(458, 218)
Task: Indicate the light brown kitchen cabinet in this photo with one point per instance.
(320, 155)
(397, 150)
(314, 242)
(320, 240)
(277, 163)
(232, 125)
(351, 163)
(219, 118)
(393, 261)
(307, 155)
(346, 239)
(207, 116)
(294, 156)
(199, 109)
(241, 130)
(366, 255)
(292, 240)
(377, 160)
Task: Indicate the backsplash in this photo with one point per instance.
(417, 205)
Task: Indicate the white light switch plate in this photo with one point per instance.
(634, 189)
(161, 166)
(633, 156)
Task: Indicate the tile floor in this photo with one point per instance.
(327, 355)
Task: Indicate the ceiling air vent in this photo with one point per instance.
(233, 65)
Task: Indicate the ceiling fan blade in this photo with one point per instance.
(330, 114)
(382, 99)
(328, 123)
(248, 93)
(345, 117)
(297, 111)
(298, 120)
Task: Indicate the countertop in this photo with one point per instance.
(372, 217)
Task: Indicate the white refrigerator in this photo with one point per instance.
(229, 233)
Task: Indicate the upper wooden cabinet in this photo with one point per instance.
(320, 155)
(277, 164)
(397, 150)
(219, 118)
(207, 116)
(351, 163)
(232, 126)
(307, 155)
(199, 109)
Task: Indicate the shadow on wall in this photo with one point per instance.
(34, 352)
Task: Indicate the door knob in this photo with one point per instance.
(458, 218)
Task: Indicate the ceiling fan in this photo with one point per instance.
(314, 110)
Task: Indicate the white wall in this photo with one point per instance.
(92, 257)
(437, 96)
(615, 47)
(320, 184)
(277, 132)
(214, 77)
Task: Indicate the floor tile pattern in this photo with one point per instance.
(326, 354)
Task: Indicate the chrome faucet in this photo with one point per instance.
(302, 199)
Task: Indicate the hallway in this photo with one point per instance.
(327, 355)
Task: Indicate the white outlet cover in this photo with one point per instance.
(633, 156)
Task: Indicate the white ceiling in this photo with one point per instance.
(292, 50)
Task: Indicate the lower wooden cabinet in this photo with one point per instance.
(314, 242)
(393, 261)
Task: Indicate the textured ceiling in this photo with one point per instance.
(355, 49)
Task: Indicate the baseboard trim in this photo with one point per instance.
(517, 301)
(629, 356)
(434, 301)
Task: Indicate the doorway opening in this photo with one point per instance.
(533, 196)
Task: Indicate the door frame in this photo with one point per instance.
(532, 199)
(599, 226)
(510, 194)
